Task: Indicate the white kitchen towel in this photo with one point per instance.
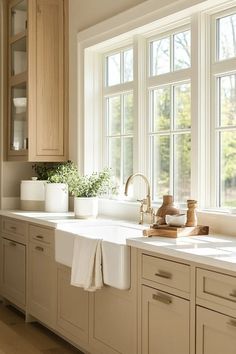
(87, 263)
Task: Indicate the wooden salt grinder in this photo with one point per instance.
(191, 213)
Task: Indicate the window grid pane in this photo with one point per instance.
(226, 34)
(119, 136)
(170, 53)
(182, 50)
(161, 165)
(227, 173)
(160, 51)
(113, 68)
(182, 106)
(128, 65)
(227, 99)
(182, 167)
(119, 68)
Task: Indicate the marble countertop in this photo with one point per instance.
(211, 250)
(214, 250)
(41, 218)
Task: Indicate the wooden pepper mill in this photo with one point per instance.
(191, 213)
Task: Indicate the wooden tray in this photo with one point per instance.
(174, 232)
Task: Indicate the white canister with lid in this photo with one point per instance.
(32, 195)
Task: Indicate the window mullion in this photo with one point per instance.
(171, 135)
(172, 164)
(122, 139)
(140, 106)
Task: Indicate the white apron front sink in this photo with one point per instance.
(115, 252)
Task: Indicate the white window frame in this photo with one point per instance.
(173, 77)
(136, 26)
(217, 69)
(110, 91)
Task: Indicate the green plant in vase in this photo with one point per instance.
(86, 189)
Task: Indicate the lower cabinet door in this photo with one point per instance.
(42, 283)
(72, 308)
(165, 323)
(216, 333)
(13, 275)
(113, 322)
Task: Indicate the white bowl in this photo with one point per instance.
(176, 220)
(20, 101)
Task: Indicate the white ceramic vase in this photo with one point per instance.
(32, 195)
(56, 197)
(86, 208)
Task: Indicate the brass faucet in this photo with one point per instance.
(145, 207)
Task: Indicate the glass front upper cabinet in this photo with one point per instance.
(18, 57)
(18, 18)
(18, 122)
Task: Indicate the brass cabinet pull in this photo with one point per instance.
(232, 323)
(39, 236)
(162, 298)
(38, 248)
(233, 294)
(163, 274)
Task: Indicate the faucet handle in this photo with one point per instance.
(142, 201)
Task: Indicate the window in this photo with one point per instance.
(119, 114)
(170, 116)
(170, 140)
(224, 115)
(168, 97)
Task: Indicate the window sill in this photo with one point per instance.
(222, 222)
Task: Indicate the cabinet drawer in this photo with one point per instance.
(41, 249)
(41, 234)
(172, 274)
(15, 228)
(216, 287)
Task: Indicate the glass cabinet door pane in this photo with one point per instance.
(19, 18)
(19, 126)
(18, 57)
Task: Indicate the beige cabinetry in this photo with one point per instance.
(42, 278)
(37, 82)
(165, 323)
(165, 315)
(216, 333)
(113, 317)
(13, 261)
(13, 272)
(216, 313)
(72, 308)
(216, 288)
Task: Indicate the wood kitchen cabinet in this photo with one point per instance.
(113, 317)
(216, 333)
(165, 306)
(42, 289)
(72, 308)
(38, 80)
(165, 323)
(14, 272)
(13, 261)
